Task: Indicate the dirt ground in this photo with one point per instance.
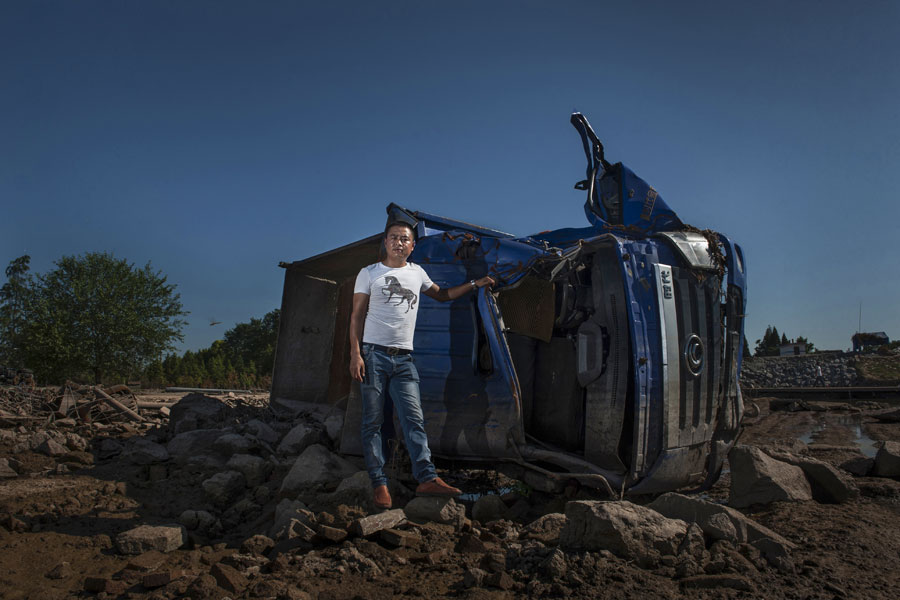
(57, 526)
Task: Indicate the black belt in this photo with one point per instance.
(391, 351)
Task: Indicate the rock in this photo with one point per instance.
(331, 534)
(473, 577)
(62, 570)
(109, 447)
(105, 585)
(190, 444)
(887, 460)
(545, 529)
(199, 520)
(299, 530)
(828, 484)
(499, 580)
(334, 424)
(366, 526)
(298, 439)
(232, 443)
(554, 564)
(315, 466)
(223, 488)
(399, 537)
(161, 578)
(76, 442)
(489, 508)
(757, 478)
(196, 411)
(228, 578)
(255, 470)
(860, 466)
(262, 431)
(164, 538)
(148, 561)
(6, 472)
(258, 544)
(141, 451)
(286, 511)
(438, 510)
(627, 530)
(51, 447)
(358, 562)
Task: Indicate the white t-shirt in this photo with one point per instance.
(393, 302)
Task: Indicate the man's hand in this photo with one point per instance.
(485, 282)
(357, 368)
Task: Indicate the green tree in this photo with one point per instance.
(98, 316)
(15, 299)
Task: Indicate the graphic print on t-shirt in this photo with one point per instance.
(393, 288)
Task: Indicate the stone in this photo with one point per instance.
(109, 447)
(141, 451)
(196, 411)
(105, 585)
(316, 465)
(331, 534)
(627, 530)
(499, 580)
(228, 578)
(6, 472)
(334, 424)
(161, 578)
(399, 538)
(190, 444)
(232, 443)
(438, 510)
(860, 466)
(366, 526)
(827, 483)
(261, 431)
(223, 488)
(299, 530)
(76, 442)
(51, 447)
(708, 516)
(473, 577)
(148, 561)
(298, 439)
(554, 564)
(489, 508)
(258, 544)
(199, 520)
(545, 529)
(694, 544)
(887, 460)
(255, 469)
(286, 511)
(62, 570)
(164, 538)
(757, 478)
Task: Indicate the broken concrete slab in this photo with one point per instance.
(438, 510)
(366, 526)
(757, 478)
(316, 465)
(828, 484)
(164, 538)
(887, 460)
(625, 529)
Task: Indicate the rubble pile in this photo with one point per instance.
(799, 371)
(238, 501)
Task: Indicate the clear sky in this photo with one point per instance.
(217, 138)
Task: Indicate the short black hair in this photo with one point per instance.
(400, 224)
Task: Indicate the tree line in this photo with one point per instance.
(771, 342)
(96, 318)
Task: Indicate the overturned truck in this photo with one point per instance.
(609, 353)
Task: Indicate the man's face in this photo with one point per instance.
(399, 242)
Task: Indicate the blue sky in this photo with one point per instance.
(215, 139)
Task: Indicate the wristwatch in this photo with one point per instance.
(472, 283)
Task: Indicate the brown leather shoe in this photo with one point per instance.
(437, 487)
(382, 497)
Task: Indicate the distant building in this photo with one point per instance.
(861, 341)
(792, 349)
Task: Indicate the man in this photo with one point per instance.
(382, 323)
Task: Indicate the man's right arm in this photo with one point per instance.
(357, 322)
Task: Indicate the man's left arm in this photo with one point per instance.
(446, 295)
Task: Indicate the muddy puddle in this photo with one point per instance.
(846, 430)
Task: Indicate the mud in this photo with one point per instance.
(60, 516)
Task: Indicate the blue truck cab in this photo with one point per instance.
(609, 353)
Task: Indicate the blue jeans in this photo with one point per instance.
(396, 375)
